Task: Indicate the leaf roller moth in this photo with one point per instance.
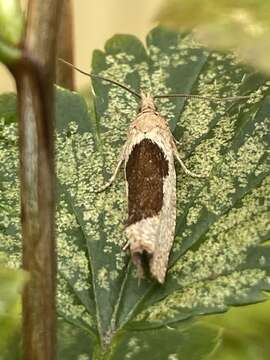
(148, 157)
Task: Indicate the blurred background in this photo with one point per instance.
(95, 21)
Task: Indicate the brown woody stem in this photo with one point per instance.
(34, 75)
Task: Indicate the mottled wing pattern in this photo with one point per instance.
(150, 177)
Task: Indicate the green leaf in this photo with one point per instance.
(218, 258)
(193, 342)
(8, 103)
(11, 30)
(73, 343)
(242, 26)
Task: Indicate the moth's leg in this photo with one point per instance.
(177, 142)
(188, 172)
(113, 177)
(126, 246)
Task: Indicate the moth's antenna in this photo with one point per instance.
(94, 76)
(209, 98)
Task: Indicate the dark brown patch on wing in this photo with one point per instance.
(145, 170)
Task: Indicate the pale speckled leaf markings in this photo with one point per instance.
(217, 128)
(235, 172)
(228, 145)
(10, 239)
(176, 62)
(76, 157)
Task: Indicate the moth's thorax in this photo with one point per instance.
(146, 122)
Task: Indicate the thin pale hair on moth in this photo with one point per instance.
(148, 156)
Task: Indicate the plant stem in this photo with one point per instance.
(65, 50)
(34, 75)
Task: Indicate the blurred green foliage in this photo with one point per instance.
(11, 30)
(246, 333)
(11, 283)
(242, 25)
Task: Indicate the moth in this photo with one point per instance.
(148, 156)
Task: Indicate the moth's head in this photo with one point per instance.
(147, 103)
